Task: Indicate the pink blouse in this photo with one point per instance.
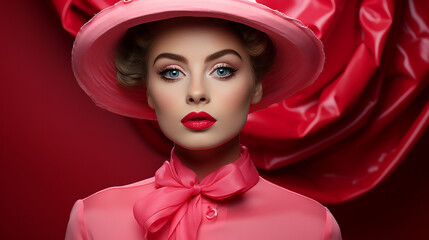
(233, 202)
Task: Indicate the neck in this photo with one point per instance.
(206, 161)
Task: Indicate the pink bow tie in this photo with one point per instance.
(177, 198)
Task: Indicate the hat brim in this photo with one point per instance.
(298, 62)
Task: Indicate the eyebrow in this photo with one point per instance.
(222, 53)
(211, 57)
(170, 56)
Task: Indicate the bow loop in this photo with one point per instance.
(177, 199)
(225, 183)
(171, 176)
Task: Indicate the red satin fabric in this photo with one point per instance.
(340, 137)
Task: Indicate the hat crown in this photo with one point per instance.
(298, 61)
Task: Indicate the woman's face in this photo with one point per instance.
(200, 82)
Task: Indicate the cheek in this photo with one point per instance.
(236, 97)
(239, 99)
(235, 105)
(165, 109)
(162, 96)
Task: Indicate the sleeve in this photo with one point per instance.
(76, 228)
(332, 230)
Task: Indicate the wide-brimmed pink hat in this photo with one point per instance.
(298, 62)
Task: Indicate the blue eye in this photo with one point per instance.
(224, 72)
(171, 74)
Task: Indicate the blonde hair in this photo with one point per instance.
(131, 57)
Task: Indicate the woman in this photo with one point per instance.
(198, 68)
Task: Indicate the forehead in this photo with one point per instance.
(172, 34)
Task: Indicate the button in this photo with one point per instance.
(211, 213)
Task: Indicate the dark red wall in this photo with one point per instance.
(56, 146)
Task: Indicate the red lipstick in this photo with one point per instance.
(198, 120)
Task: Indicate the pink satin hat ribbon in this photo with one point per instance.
(178, 197)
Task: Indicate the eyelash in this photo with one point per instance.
(163, 73)
(230, 69)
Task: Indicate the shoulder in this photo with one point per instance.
(289, 213)
(120, 195)
(116, 201)
(112, 209)
(270, 193)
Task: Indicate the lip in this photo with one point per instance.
(198, 120)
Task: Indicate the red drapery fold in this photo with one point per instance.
(344, 134)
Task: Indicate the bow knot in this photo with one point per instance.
(196, 189)
(177, 199)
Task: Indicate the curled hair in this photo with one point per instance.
(258, 46)
(131, 57)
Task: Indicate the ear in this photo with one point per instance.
(149, 100)
(257, 93)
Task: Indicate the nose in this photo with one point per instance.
(197, 92)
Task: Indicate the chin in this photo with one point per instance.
(198, 145)
(206, 142)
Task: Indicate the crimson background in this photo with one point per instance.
(56, 146)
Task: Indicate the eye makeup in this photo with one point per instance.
(223, 71)
(171, 73)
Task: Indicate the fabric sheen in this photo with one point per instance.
(233, 202)
(178, 196)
